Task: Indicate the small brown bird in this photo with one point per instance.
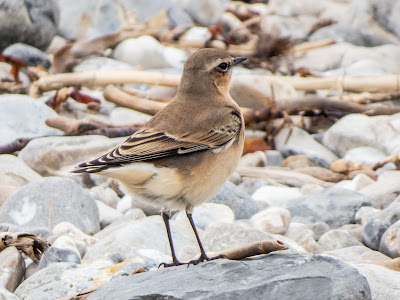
(184, 154)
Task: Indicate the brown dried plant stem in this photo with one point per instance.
(252, 249)
(95, 78)
(388, 83)
(117, 96)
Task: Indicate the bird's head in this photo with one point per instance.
(208, 69)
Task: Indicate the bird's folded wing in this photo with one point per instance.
(148, 144)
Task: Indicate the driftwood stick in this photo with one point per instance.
(365, 98)
(117, 96)
(96, 78)
(293, 106)
(312, 45)
(387, 83)
(30, 244)
(252, 249)
(72, 127)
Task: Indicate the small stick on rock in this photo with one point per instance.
(252, 249)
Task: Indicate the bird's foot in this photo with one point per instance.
(175, 263)
(205, 258)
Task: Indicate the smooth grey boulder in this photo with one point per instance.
(23, 117)
(49, 201)
(274, 276)
(12, 269)
(241, 203)
(30, 55)
(334, 206)
(33, 22)
(55, 255)
(373, 231)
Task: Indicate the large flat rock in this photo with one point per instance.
(274, 276)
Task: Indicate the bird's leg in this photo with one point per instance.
(175, 262)
(203, 255)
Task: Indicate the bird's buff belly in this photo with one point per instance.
(172, 188)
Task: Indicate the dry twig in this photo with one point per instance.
(117, 96)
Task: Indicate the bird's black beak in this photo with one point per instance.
(238, 60)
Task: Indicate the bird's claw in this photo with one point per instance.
(205, 258)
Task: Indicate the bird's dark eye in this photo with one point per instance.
(223, 66)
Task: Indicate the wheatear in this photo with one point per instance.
(184, 154)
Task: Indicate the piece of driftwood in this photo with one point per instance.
(281, 175)
(293, 106)
(31, 245)
(312, 45)
(251, 249)
(14, 146)
(322, 174)
(373, 84)
(101, 78)
(72, 127)
(117, 96)
(12, 88)
(365, 98)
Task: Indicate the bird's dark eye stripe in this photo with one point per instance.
(223, 66)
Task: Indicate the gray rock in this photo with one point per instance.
(254, 159)
(105, 195)
(334, 206)
(294, 141)
(319, 228)
(63, 279)
(5, 294)
(58, 155)
(205, 12)
(55, 255)
(302, 235)
(249, 185)
(382, 281)
(364, 155)
(337, 239)
(274, 220)
(148, 53)
(96, 63)
(358, 254)
(206, 214)
(146, 233)
(108, 12)
(390, 213)
(265, 277)
(275, 195)
(31, 56)
(373, 231)
(390, 241)
(12, 268)
(366, 213)
(384, 191)
(14, 173)
(357, 130)
(242, 205)
(22, 116)
(32, 22)
(65, 201)
(274, 158)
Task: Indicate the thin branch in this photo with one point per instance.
(117, 96)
